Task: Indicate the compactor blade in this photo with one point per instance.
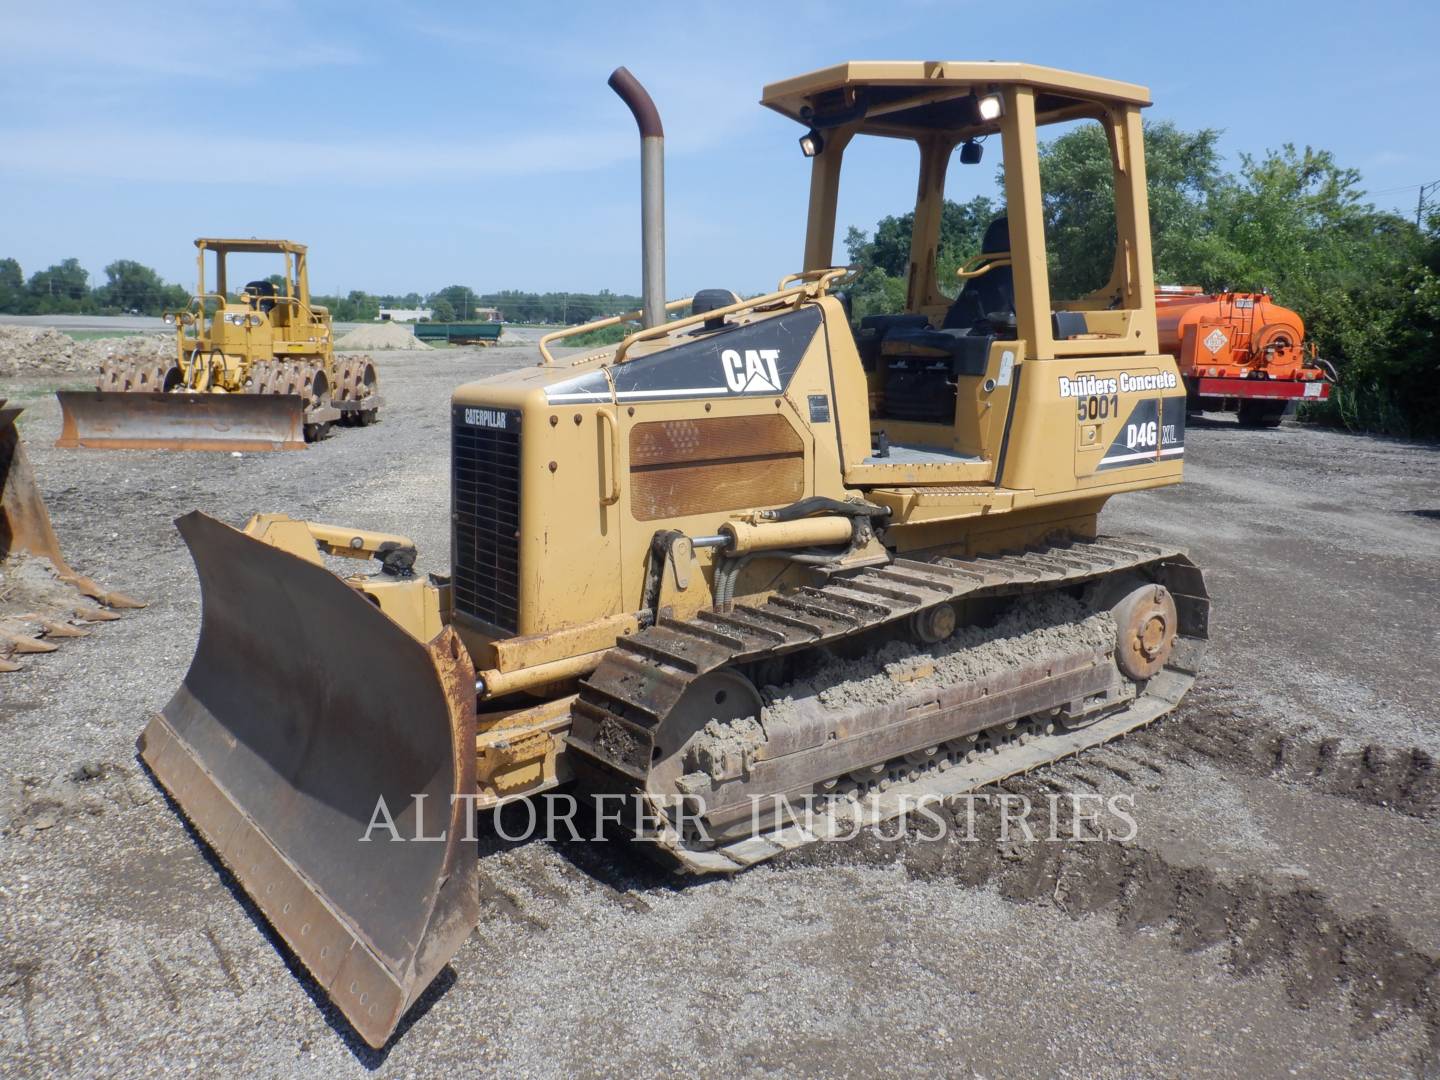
(154, 421)
(307, 723)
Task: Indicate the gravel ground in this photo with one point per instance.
(1275, 914)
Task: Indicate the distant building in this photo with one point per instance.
(403, 314)
(486, 314)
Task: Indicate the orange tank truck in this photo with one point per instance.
(1239, 350)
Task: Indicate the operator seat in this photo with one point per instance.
(921, 364)
(262, 294)
(993, 292)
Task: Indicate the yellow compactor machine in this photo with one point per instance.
(751, 555)
(256, 371)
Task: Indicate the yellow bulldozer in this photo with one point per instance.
(751, 559)
(256, 371)
(42, 599)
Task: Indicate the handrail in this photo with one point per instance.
(197, 301)
(814, 282)
(798, 293)
(612, 485)
(822, 276)
(598, 324)
(996, 258)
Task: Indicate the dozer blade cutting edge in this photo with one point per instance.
(154, 421)
(304, 706)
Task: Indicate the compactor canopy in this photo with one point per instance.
(297, 276)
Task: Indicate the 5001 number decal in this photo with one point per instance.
(1098, 407)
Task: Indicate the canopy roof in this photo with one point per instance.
(918, 97)
(251, 245)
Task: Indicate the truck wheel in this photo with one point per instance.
(1261, 414)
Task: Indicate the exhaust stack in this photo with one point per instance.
(652, 191)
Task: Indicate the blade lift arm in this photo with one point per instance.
(310, 540)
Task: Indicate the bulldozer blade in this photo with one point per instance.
(307, 716)
(24, 521)
(109, 420)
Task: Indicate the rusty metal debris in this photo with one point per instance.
(37, 585)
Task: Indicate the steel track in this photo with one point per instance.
(619, 717)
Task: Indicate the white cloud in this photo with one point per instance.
(76, 42)
(155, 155)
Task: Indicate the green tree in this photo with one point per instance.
(174, 298)
(12, 287)
(461, 298)
(962, 226)
(441, 311)
(131, 286)
(63, 287)
(884, 261)
(1078, 193)
(1296, 223)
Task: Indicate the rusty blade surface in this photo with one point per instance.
(303, 708)
(153, 421)
(24, 521)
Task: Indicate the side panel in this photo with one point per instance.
(1099, 424)
(982, 402)
(555, 521)
(760, 399)
(684, 467)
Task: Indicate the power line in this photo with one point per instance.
(1393, 190)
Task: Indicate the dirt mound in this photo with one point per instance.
(386, 335)
(37, 350)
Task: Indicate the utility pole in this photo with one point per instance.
(1425, 190)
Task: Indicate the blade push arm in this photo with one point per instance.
(311, 539)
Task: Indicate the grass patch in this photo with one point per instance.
(19, 393)
(606, 335)
(100, 335)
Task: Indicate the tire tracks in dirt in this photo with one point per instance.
(1405, 780)
(1254, 923)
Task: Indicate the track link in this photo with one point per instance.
(622, 707)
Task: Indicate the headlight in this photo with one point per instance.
(990, 107)
(169, 319)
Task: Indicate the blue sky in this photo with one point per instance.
(418, 145)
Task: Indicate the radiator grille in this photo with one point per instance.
(485, 499)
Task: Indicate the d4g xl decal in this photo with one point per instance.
(1154, 431)
(746, 361)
